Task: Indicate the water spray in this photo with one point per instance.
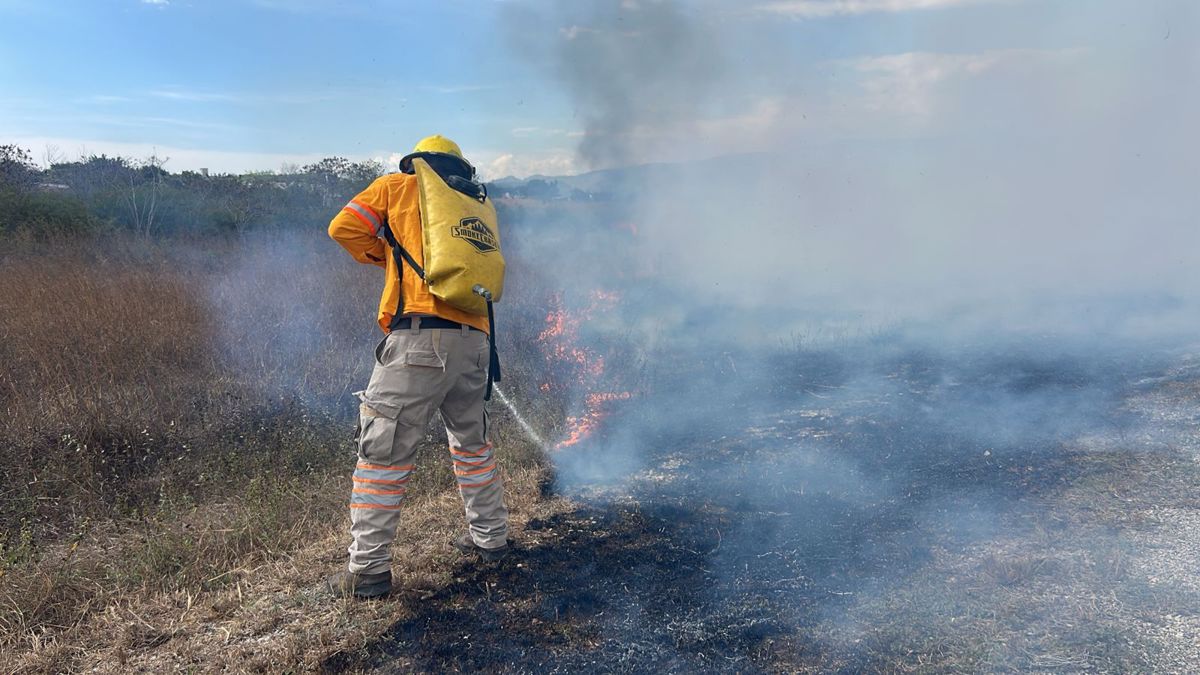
(483, 292)
(529, 430)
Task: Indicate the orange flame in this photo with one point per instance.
(581, 427)
(560, 342)
(556, 325)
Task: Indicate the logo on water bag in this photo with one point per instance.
(476, 233)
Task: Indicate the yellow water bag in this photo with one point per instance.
(462, 243)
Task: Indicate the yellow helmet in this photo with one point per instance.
(432, 146)
(439, 143)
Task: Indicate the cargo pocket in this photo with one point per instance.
(381, 350)
(424, 359)
(376, 429)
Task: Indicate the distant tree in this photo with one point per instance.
(325, 177)
(117, 188)
(238, 203)
(141, 192)
(330, 169)
(363, 173)
(142, 196)
(91, 176)
(337, 178)
(23, 206)
(17, 170)
(53, 155)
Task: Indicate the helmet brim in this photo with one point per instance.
(406, 161)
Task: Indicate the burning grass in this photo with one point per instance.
(928, 553)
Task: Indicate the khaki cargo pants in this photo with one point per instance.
(416, 373)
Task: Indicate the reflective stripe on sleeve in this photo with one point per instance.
(366, 214)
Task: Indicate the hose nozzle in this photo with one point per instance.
(482, 292)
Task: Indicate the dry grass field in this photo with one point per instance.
(176, 426)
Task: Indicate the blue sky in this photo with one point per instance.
(253, 84)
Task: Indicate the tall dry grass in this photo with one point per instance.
(174, 410)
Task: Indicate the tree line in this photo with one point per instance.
(140, 195)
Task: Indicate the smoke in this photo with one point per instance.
(934, 175)
(882, 289)
(631, 68)
(291, 315)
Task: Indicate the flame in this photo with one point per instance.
(556, 325)
(581, 427)
(561, 344)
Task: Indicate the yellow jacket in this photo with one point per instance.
(393, 200)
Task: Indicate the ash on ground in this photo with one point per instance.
(1008, 509)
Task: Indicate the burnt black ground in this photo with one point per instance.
(759, 530)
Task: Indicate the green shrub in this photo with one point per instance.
(44, 212)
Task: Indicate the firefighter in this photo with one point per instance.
(434, 357)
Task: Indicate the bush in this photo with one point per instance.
(44, 212)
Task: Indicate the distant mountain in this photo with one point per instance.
(603, 184)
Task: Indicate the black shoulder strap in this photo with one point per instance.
(398, 254)
(409, 259)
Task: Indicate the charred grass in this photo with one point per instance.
(842, 528)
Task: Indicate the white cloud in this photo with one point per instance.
(908, 83)
(561, 163)
(525, 132)
(754, 125)
(159, 3)
(492, 165)
(572, 32)
(913, 83)
(819, 9)
(191, 96)
(105, 99)
(295, 98)
(392, 161)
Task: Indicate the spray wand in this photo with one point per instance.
(494, 370)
